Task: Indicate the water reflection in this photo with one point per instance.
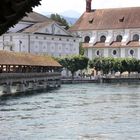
(75, 112)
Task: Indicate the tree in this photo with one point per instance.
(117, 65)
(107, 65)
(74, 63)
(96, 63)
(137, 66)
(11, 11)
(129, 64)
(58, 18)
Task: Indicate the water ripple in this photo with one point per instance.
(74, 112)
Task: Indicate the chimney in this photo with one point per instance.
(88, 5)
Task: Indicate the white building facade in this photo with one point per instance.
(109, 32)
(38, 34)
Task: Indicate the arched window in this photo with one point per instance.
(119, 38)
(87, 39)
(97, 53)
(136, 37)
(102, 38)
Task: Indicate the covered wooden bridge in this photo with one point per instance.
(20, 72)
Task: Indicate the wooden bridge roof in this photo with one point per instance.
(26, 59)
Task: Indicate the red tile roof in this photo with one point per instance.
(115, 18)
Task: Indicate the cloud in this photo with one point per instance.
(58, 6)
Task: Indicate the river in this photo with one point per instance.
(73, 112)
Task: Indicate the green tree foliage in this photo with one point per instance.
(58, 18)
(117, 65)
(96, 63)
(11, 11)
(74, 63)
(108, 64)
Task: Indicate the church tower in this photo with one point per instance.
(88, 5)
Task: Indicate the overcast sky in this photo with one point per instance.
(58, 6)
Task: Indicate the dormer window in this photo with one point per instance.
(91, 20)
(121, 19)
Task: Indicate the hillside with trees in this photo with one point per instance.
(61, 20)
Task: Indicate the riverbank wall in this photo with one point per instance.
(79, 81)
(120, 80)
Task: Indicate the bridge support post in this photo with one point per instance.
(21, 87)
(6, 89)
(58, 83)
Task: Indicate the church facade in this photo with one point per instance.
(38, 34)
(109, 32)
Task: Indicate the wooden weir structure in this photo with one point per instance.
(21, 72)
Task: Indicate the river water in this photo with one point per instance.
(73, 112)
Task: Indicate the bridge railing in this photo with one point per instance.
(5, 76)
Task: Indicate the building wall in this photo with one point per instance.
(111, 35)
(40, 44)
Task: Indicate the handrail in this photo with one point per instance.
(5, 76)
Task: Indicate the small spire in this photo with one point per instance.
(88, 5)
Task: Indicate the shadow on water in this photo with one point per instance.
(18, 95)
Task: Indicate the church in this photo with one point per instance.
(113, 32)
(38, 34)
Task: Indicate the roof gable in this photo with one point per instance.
(35, 17)
(47, 28)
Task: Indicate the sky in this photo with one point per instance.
(59, 6)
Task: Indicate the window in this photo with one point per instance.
(136, 37)
(91, 20)
(131, 52)
(47, 31)
(102, 38)
(87, 39)
(114, 52)
(98, 53)
(11, 48)
(119, 38)
(121, 19)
